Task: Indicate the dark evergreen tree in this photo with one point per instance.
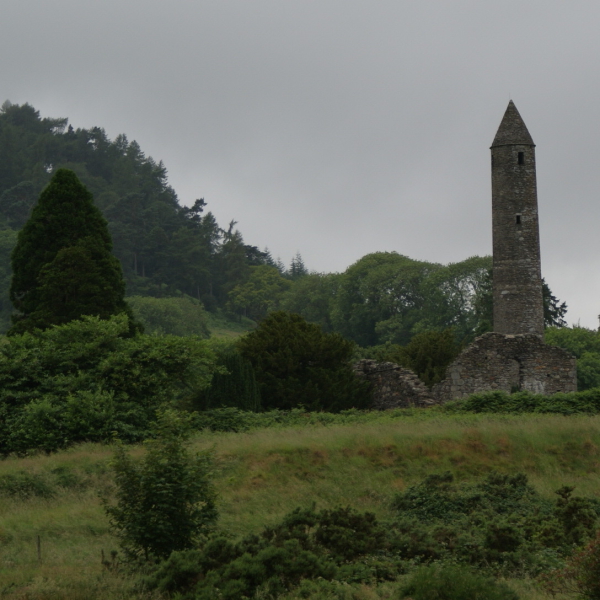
(62, 264)
(237, 387)
(297, 268)
(296, 364)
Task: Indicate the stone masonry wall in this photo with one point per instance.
(517, 285)
(393, 386)
(496, 361)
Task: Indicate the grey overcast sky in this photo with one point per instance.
(337, 127)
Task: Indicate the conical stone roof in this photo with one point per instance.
(512, 129)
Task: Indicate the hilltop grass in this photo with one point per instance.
(265, 473)
(222, 327)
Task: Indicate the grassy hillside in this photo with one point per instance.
(263, 474)
(221, 326)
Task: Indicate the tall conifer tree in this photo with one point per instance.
(63, 267)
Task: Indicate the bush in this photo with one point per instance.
(587, 402)
(428, 354)
(86, 380)
(235, 386)
(296, 364)
(454, 583)
(305, 545)
(25, 485)
(580, 576)
(584, 344)
(166, 502)
(500, 520)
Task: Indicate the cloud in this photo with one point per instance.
(336, 128)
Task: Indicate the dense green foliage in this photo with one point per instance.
(388, 297)
(450, 582)
(164, 248)
(584, 344)
(260, 294)
(235, 386)
(167, 249)
(166, 502)
(62, 264)
(499, 521)
(306, 545)
(498, 524)
(581, 575)
(296, 364)
(175, 316)
(573, 403)
(428, 354)
(89, 380)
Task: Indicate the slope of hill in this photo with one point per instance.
(264, 474)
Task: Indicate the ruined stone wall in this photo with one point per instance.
(393, 385)
(508, 362)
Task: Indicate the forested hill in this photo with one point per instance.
(164, 247)
(167, 249)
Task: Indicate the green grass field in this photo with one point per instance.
(265, 473)
(222, 327)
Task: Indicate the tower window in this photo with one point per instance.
(518, 219)
(521, 158)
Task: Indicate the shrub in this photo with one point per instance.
(305, 545)
(454, 583)
(572, 403)
(166, 502)
(428, 354)
(235, 386)
(580, 576)
(498, 521)
(86, 380)
(25, 485)
(296, 364)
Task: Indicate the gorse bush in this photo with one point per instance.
(167, 501)
(306, 545)
(580, 576)
(498, 524)
(500, 520)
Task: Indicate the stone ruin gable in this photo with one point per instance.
(497, 361)
(393, 385)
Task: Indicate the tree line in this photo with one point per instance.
(167, 249)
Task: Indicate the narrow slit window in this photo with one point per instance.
(518, 219)
(521, 158)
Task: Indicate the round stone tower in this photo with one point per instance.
(517, 290)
